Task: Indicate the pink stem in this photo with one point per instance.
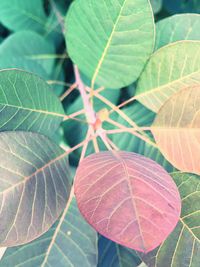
(88, 108)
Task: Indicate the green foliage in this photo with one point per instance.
(22, 14)
(115, 56)
(60, 61)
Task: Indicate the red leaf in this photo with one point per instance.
(128, 198)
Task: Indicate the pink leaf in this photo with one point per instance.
(128, 198)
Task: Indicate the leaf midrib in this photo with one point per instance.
(97, 69)
(34, 110)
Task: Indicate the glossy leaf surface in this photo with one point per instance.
(55, 247)
(34, 186)
(170, 69)
(128, 198)
(111, 41)
(182, 247)
(177, 129)
(27, 103)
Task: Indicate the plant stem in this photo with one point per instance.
(70, 89)
(121, 113)
(73, 115)
(90, 114)
(123, 129)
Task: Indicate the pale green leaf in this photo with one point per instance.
(34, 186)
(176, 28)
(156, 5)
(170, 69)
(27, 103)
(111, 40)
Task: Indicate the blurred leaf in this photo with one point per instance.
(156, 5)
(19, 15)
(73, 243)
(182, 247)
(34, 186)
(15, 47)
(118, 40)
(176, 28)
(169, 69)
(113, 255)
(27, 103)
(182, 6)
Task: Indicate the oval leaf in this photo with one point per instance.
(128, 198)
(177, 129)
(34, 186)
(182, 247)
(111, 41)
(176, 28)
(27, 103)
(55, 247)
(169, 69)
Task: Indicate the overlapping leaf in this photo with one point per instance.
(111, 41)
(22, 14)
(71, 243)
(177, 129)
(27, 103)
(113, 255)
(128, 198)
(15, 53)
(176, 28)
(182, 247)
(169, 69)
(156, 5)
(34, 186)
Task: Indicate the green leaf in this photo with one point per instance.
(182, 247)
(170, 69)
(19, 15)
(34, 186)
(15, 47)
(112, 254)
(73, 243)
(27, 103)
(176, 28)
(156, 5)
(111, 40)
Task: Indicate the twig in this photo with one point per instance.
(71, 88)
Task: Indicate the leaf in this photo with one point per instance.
(27, 103)
(55, 247)
(19, 15)
(176, 28)
(111, 41)
(177, 129)
(113, 255)
(156, 5)
(182, 247)
(127, 198)
(180, 6)
(170, 69)
(15, 47)
(34, 186)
